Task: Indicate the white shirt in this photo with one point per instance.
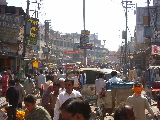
(100, 83)
(115, 79)
(41, 80)
(62, 97)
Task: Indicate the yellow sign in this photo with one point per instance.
(35, 64)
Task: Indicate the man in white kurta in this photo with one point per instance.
(63, 96)
(139, 103)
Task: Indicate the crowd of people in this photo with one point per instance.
(62, 100)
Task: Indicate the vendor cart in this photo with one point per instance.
(116, 94)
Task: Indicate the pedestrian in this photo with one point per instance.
(82, 78)
(75, 109)
(36, 83)
(45, 97)
(63, 96)
(124, 112)
(53, 98)
(100, 85)
(29, 85)
(12, 96)
(35, 112)
(62, 85)
(139, 102)
(9, 73)
(46, 85)
(114, 78)
(41, 82)
(21, 92)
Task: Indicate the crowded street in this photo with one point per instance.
(79, 60)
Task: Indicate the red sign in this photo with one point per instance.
(74, 52)
(155, 49)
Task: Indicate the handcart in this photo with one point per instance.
(116, 94)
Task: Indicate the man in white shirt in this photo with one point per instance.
(63, 96)
(114, 78)
(100, 85)
(41, 81)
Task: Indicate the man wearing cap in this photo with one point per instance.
(63, 96)
(139, 103)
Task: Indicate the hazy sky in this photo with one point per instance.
(104, 17)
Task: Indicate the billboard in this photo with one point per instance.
(84, 36)
(10, 26)
(32, 37)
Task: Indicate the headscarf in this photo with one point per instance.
(46, 96)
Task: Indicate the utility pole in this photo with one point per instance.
(94, 49)
(85, 50)
(25, 19)
(127, 4)
(47, 22)
(25, 41)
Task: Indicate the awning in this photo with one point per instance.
(15, 56)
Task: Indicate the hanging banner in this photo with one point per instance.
(32, 37)
(155, 49)
(74, 52)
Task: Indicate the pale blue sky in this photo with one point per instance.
(105, 17)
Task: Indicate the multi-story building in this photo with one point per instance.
(11, 36)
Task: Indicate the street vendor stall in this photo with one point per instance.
(3, 105)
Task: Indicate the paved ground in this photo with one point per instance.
(107, 117)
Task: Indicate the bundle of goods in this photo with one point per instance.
(3, 103)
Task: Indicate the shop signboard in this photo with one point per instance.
(10, 26)
(155, 49)
(84, 36)
(85, 46)
(74, 52)
(32, 37)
